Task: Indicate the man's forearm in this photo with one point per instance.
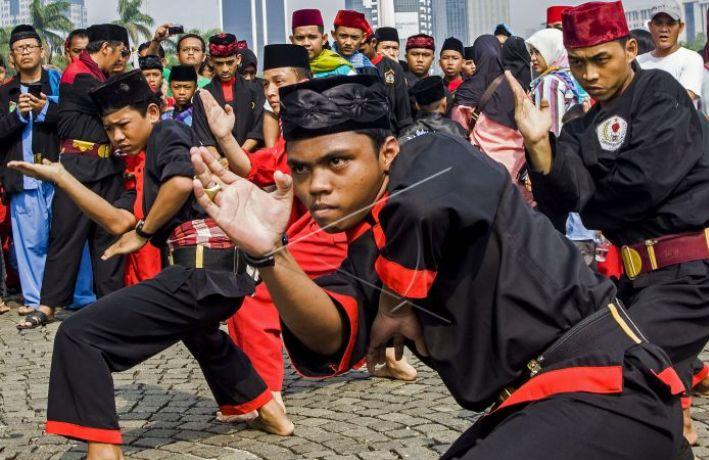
(540, 155)
(114, 220)
(238, 160)
(172, 195)
(304, 307)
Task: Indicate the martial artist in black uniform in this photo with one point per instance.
(86, 154)
(204, 284)
(392, 74)
(636, 168)
(229, 87)
(445, 252)
(432, 105)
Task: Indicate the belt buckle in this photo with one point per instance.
(631, 261)
(37, 158)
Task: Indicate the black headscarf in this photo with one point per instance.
(487, 55)
(516, 59)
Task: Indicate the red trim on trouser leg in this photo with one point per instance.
(670, 378)
(686, 402)
(699, 376)
(84, 433)
(241, 409)
(582, 379)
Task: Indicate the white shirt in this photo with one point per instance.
(685, 65)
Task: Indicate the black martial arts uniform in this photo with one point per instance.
(507, 305)
(86, 154)
(427, 122)
(182, 303)
(392, 74)
(247, 100)
(637, 168)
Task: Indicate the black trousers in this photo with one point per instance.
(70, 229)
(129, 326)
(671, 306)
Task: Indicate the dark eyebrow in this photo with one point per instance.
(324, 159)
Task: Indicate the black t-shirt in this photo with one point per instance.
(167, 154)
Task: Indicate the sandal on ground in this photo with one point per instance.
(35, 319)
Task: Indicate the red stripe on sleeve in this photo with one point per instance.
(406, 282)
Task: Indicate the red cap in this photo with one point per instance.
(554, 13)
(353, 19)
(307, 17)
(594, 23)
(421, 41)
(242, 44)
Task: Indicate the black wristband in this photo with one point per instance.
(141, 233)
(267, 261)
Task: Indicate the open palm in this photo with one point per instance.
(534, 124)
(255, 220)
(221, 119)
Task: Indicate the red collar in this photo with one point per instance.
(92, 66)
(377, 59)
(369, 222)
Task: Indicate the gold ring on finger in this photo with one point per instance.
(213, 190)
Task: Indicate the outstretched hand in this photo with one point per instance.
(534, 124)
(255, 220)
(221, 120)
(47, 171)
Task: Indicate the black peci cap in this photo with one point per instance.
(387, 34)
(428, 90)
(453, 44)
(108, 33)
(121, 91)
(183, 73)
(334, 105)
(22, 32)
(276, 56)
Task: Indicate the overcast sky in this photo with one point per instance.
(526, 15)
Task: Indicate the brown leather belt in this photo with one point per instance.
(665, 251)
(84, 148)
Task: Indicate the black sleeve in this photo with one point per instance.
(402, 105)
(126, 201)
(170, 152)
(10, 123)
(665, 144)
(450, 192)
(200, 125)
(52, 115)
(258, 99)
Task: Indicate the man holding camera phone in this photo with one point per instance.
(28, 126)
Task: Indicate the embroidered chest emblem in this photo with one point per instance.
(390, 77)
(611, 133)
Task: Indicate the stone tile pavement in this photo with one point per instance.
(167, 412)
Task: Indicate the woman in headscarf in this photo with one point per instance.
(553, 80)
(516, 59)
(495, 131)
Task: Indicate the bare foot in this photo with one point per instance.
(279, 399)
(238, 418)
(703, 387)
(272, 419)
(689, 432)
(24, 310)
(396, 370)
(100, 451)
(3, 307)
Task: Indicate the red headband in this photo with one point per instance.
(421, 41)
(229, 49)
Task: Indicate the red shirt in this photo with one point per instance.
(454, 84)
(228, 90)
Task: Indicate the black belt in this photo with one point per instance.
(202, 257)
(608, 330)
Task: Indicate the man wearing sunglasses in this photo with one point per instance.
(86, 153)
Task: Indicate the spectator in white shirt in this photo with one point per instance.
(685, 65)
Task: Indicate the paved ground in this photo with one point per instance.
(167, 412)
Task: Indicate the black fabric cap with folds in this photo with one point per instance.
(334, 105)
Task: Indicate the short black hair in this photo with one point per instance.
(76, 33)
(644, 39)
(377, 136)
(186, 36)
(95, 47)
(144, 46)
(140, 107)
